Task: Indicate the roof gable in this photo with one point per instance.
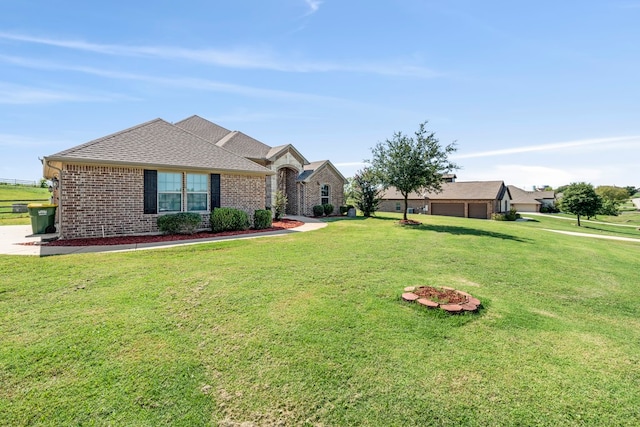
(157, 143)
(245, 146)
(276, 152)
(203, 128)
(519, 195)
(314, 167)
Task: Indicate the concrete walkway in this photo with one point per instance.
(14, 237)
(594, 236)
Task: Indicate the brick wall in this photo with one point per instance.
(390, 205)
(108, 200)
(311, 192)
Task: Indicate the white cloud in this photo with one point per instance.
(314, 5)
(528, 176)
(552, 147)
(24, 95)
(243, 58)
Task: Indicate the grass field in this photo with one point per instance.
(309, 329)
(10, 194)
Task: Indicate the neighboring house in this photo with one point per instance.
(121, 183)
(530, 201)
(393, 201)
(473, 199)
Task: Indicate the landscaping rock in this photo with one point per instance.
(410, 289)
(451, 308)
(409, 296)
(469, 307)
(428, 303)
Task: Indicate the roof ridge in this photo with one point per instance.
(103, 138)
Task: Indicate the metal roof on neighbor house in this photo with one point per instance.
(158, 143)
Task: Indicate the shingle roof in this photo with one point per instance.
(203, 128)
(392, 193)
(519, 195)
(158, 143)
(275, 151)
(470, 190)
(313, 167)
(243, 145)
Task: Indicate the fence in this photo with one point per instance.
(18, 182)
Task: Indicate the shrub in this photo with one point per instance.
(318, 210)
(327, 208)
(512, 215)
(179, 223)
(229, 219)
(261, 219)
(280, 205)
(549, 209)
(343, 210)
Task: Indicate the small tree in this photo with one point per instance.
(412, 163)
(580, 199)
(631, 190)
(280, 205)
(366, 191)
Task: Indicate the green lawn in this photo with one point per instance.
(10, 194)
(309, 329)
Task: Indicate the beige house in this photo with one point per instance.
(121, 183)
(530, 201)
(472, 199)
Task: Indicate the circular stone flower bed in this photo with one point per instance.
(448, 299)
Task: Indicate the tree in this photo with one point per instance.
(412, 163)
(366, 191)
(612, 193)
(280, 205)
(631, 190)
(580, 199)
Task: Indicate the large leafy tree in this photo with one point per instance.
(366, 191)
(412, 163)
(580, 199)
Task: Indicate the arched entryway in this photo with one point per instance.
(287, 183)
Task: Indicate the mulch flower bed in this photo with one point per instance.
(282, 224)
(448, 299)
(409, 222)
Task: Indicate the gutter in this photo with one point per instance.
(59, 190)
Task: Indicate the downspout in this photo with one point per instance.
(59, 197)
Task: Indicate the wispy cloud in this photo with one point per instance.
(181, 82)
(314, 5)
(25, 95)
(242, 58)
(551, 147)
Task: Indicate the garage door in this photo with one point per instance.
(448, 209)
(478, 210)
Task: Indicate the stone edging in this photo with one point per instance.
(470, 303)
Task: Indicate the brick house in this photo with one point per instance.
(119, 184)
(471, 199)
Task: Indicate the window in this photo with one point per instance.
(169, 192)
(197, 192)
(398, 206)
(324, 194)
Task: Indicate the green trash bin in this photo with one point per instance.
(43, 217)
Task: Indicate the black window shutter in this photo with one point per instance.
(215, 191)
(150, 191)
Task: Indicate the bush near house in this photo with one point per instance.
(179, 223)
(261, 219)
(512, 215)
(229, 219)
(327, 208)
(318, 210)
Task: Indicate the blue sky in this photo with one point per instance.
(534, 93)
